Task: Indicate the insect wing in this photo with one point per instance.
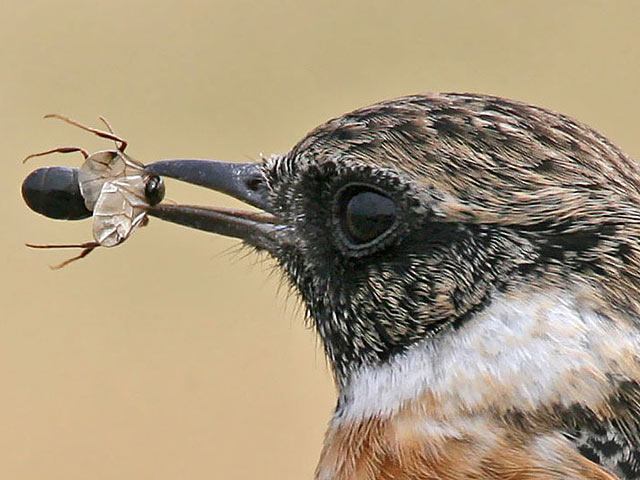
(98, 169)
(120, 209)
(102, 167)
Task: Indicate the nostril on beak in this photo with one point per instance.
(255, 184)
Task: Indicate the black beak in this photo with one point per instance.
(243, 181)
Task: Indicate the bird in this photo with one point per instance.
(472, 266)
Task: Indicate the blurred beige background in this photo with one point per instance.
(176, 356)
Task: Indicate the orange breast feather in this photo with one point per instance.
(410, 447)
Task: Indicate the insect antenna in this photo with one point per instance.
(110, 128)
(121, 144)
(107, 124)
(87, 248)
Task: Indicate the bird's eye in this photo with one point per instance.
(154, 190)
(366, 215)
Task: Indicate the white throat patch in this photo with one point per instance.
(521, 352)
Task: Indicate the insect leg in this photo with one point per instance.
(84, 153)
(65, 245)
(95, 131)
(87, 248)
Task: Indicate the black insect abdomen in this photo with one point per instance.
(55, 193)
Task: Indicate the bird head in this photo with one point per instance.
(402, 221)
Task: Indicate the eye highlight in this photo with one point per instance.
(366, 215)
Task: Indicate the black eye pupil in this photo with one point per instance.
(154, 190)
(367, 215)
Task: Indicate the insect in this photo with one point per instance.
(116, 190)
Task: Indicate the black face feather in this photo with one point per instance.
(418, 275)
